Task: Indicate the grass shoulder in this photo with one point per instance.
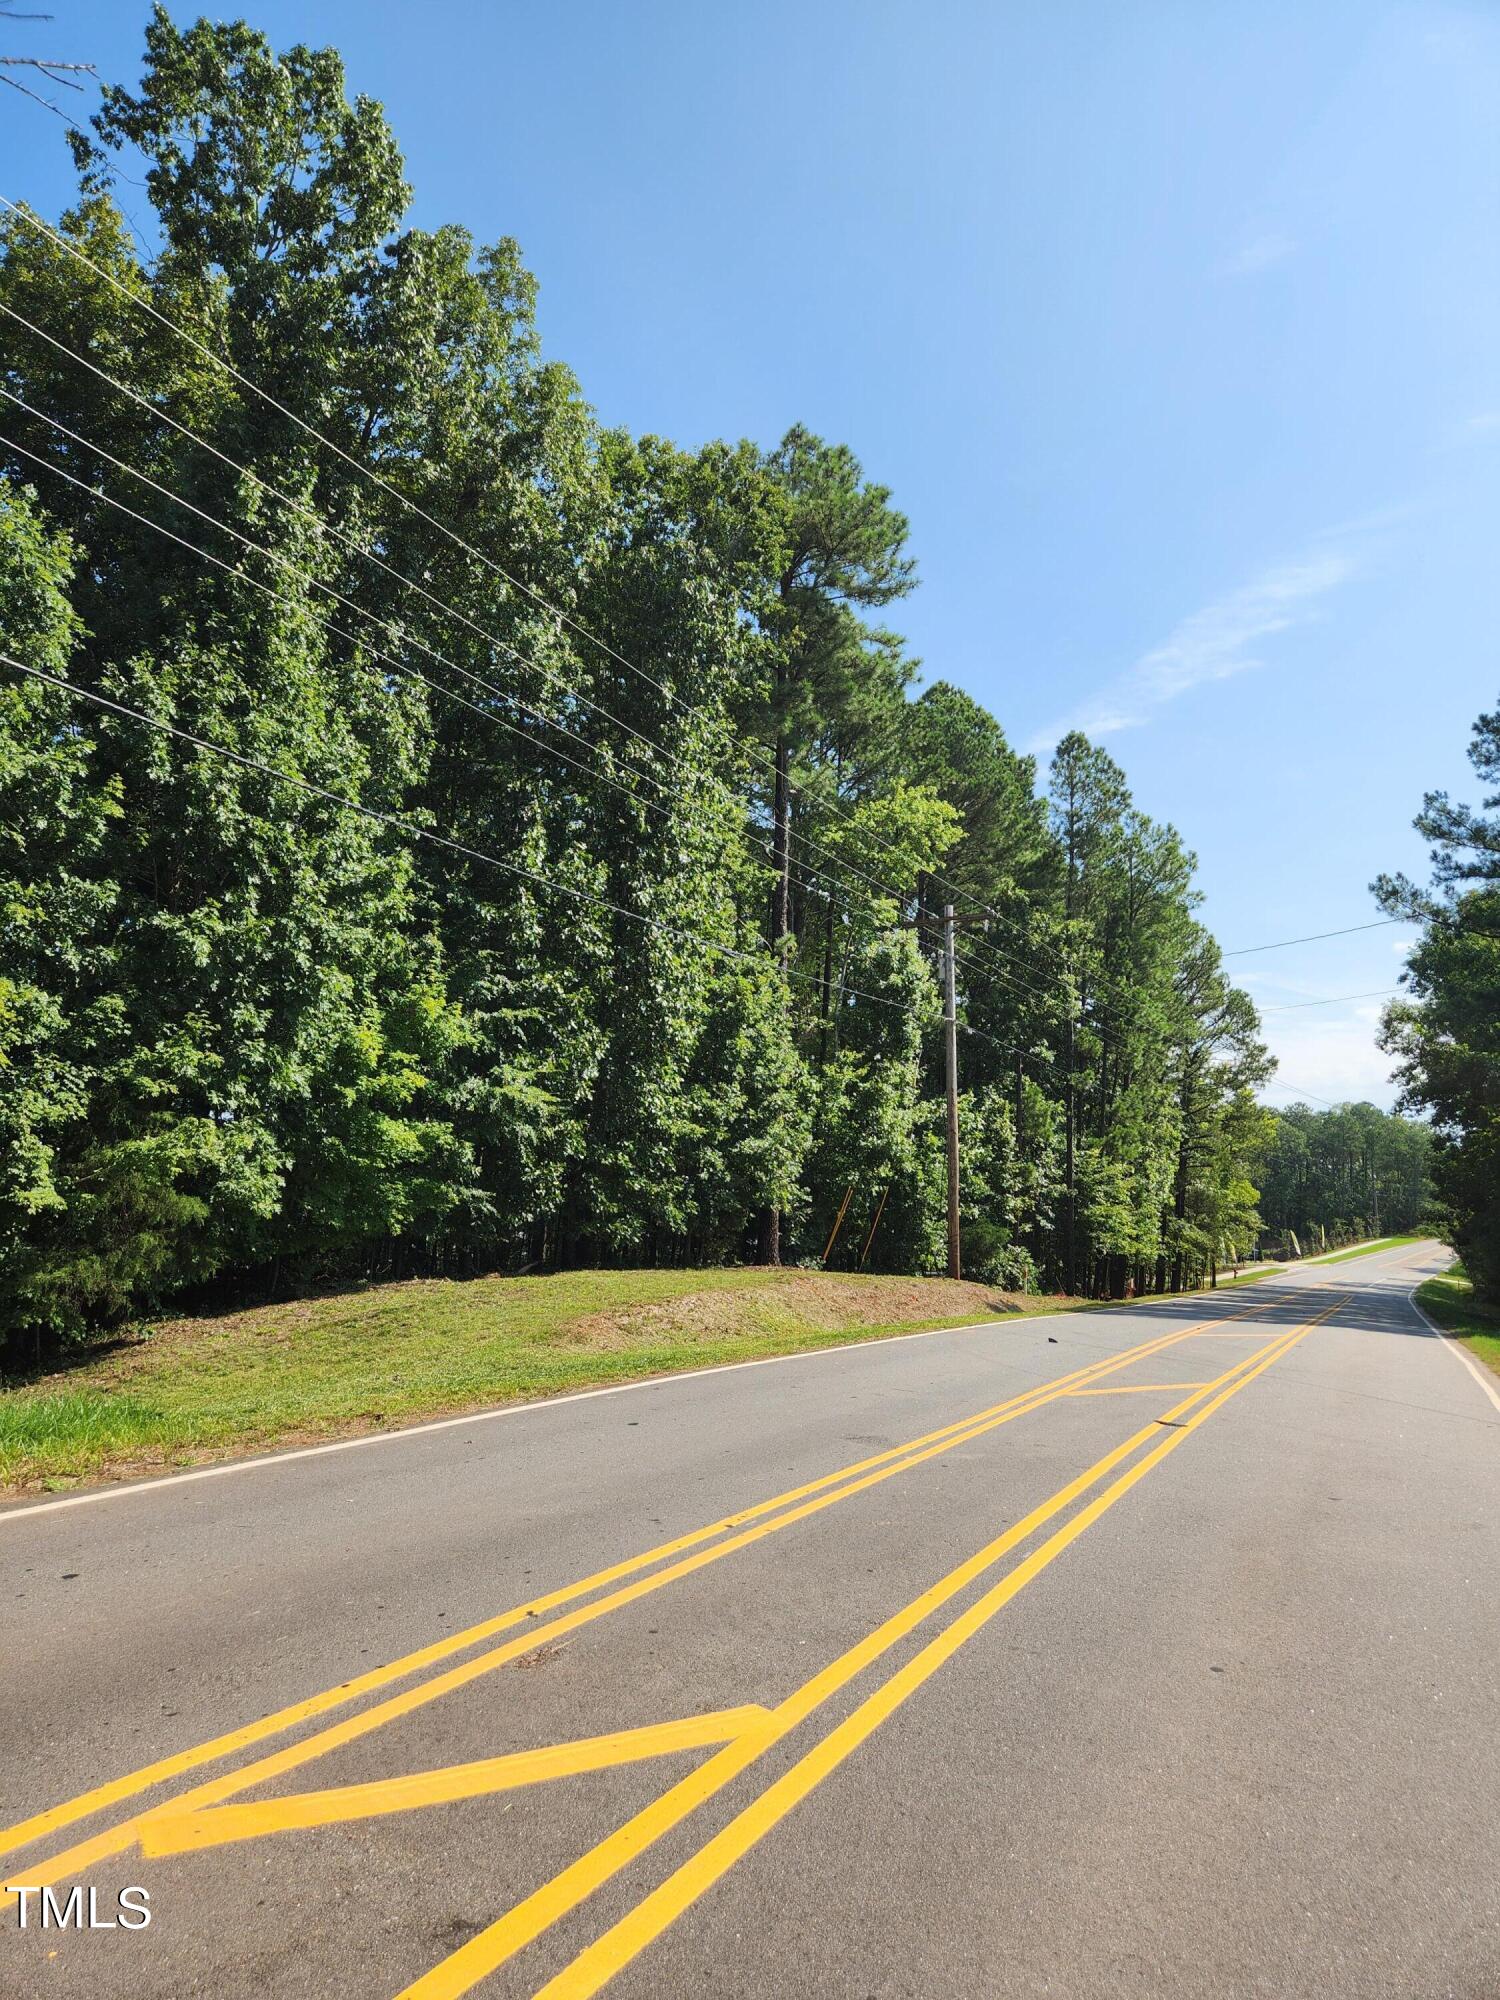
(1366, 1249)
(194, 1390)
(1449, 1300)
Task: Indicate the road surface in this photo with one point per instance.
(1141, 1652)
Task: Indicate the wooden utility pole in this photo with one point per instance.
(950, 1038)
(1020, 1102)
(1070, 1114)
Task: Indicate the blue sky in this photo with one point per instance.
(1175, 329)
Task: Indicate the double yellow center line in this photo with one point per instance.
(492, 1947)
(680, 1557)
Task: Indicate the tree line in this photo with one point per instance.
(1446, 1036)
(439, 832)
(1344, 1175)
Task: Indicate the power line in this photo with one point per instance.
(281, 597)
(358, 641)
(1334, 1000)
(434, 836)
(317, 583)
(397, 666)
(1281, 944)
(409, 672)
(351, 604)
(378, 479)
(1274, 1083)
(396, 820)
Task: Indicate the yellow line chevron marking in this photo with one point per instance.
(181, 1832)
(488, 1949)
(827, 1492)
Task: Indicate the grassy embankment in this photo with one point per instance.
(1364, 1249)
(200, 1389)
(195, 1390)
(1449, 1300)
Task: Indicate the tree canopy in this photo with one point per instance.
(472, 837)
(1446, 1037)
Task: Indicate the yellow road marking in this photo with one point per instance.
(490, 1948)
(116, 1839)
(899, 1458)
(599, 1962)
(1139, 1389)
(183, 1832)
(1236, 1333)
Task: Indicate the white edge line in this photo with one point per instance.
(126, 1490)
(1482, 1375)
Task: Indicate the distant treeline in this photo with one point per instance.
(1345, 1175)
(484, 839)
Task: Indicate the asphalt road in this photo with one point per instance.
(1144, 1652)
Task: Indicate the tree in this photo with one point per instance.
(834, 681)
(547, 862)
(1346, 1173)
(1446, 1038)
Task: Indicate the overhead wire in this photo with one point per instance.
(358, 640)
(354, 639)
(979, 958)
(1006, 975)
(1275, 1083)
(1334, 1000)
(369, 474)
(1249, 950)
(235, 571)
(434, 836)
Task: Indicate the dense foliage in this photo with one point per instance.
(575, 895)
(1447, 1036)
(1343, 1175)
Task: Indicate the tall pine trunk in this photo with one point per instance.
(769, 1251)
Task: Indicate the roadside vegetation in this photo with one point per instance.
(1451, 1300)
(203, 1388)
(440, 835)
(1446, 1036)
(1365, 1249)
(1335, 1178)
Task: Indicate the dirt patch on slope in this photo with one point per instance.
(795, 1302)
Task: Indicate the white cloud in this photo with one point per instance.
(1258, 253)
(1211, 645)
(1485, 420)
(1334, 1056)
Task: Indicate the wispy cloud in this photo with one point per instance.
(1213, 644)
(1335, 1057)
(1258, 253)
(1485, 420)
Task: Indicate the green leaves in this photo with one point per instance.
(249, 1036)
(1447, 1037)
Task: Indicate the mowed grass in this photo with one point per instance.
(1367, 1249)
(1450, 1300)
(194, 1390)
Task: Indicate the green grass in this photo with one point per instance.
(196, 1390)
(359, 1361)
(1450, 1301)
(1366, 1249)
